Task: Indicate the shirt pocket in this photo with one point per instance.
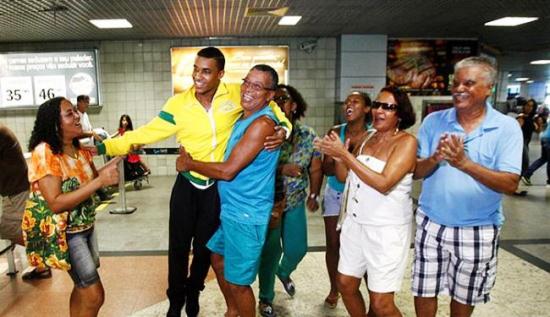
(481, 152)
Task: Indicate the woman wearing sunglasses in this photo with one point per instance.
(356, 112)
(376, 229)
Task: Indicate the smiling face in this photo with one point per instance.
(471, 87)
(69, 121)
(385, 120)
(285, 102)
(255, 91)
(206, 75)
(355, 108)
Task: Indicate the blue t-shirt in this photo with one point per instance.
(248, 198)
(451, 197)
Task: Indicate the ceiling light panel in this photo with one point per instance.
(290, 20)
(111, 23)
(511, 21)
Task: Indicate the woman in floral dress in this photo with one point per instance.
(299, 167)
(58, 223)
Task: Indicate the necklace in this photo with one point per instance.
(71, 152)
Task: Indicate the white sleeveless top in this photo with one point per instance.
(366, 205)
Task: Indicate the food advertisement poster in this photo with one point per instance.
(29, 79)
(238, 61)
(425, 67)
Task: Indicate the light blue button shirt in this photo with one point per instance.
(453, 198)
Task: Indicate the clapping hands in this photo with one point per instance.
(331, 145)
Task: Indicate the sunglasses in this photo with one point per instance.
(384, 105)
(281, 99)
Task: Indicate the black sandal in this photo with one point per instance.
(37, 275)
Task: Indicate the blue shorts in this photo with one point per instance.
(331, 202)
(84, 256)
(241, 246)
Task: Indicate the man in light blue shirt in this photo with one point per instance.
(469, 156)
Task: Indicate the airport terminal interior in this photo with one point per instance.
(337, 46)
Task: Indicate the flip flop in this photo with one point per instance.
(35, 274)
(332, 302)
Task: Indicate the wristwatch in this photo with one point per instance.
(313, 196)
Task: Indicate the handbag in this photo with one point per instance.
(44, 233)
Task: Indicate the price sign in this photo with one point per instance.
(15, 91)
(48, 87)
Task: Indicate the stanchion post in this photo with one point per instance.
(123, 209)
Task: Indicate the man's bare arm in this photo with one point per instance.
(242, 154)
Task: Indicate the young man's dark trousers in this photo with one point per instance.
(194, 217)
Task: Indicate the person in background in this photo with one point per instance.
(468, 156)
(528, 125)
(300, 167)
(247, 190)
(89, 136)
(357, 113)
(376, 229)
(14, 190)
(132, 159)
(542, 123)
(202, 118)
(58, 223)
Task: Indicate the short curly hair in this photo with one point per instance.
(405, 111)
(47, 126)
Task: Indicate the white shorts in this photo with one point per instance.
(379, 251)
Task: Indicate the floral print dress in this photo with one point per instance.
(44, 231)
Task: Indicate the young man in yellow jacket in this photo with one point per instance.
(202, 119)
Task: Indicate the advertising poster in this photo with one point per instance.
(238, 61)
(425, 67)
(29, 79)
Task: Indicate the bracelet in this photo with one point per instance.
(313, 196)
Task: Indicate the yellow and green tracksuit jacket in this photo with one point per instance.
(204, 134)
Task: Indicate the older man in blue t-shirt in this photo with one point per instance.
(469, 156)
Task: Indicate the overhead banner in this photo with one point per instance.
(425, 67)
(238, 61)
(29, 79)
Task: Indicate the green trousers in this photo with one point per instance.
(292, 232)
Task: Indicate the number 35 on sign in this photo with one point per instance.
(15, 91)
(48, 87)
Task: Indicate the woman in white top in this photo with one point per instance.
(376, 229)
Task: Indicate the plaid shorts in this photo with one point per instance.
(457, 261)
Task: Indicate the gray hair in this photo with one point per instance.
(478, 61)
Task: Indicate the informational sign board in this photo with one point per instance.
(29, 79)
(238, 61)
(425, 67)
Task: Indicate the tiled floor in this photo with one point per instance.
(134, 264)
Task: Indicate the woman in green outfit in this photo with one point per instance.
(299, 166)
